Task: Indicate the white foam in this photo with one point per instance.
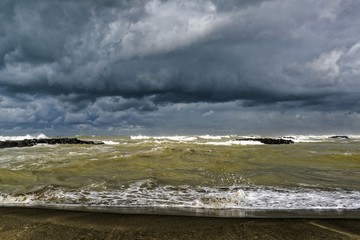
(201, 140)
(22, 199)
(171, 138)
(110, 143)
(214, 137)
(139, 137)
(146, 194)
(219, 139)
(309, 138)
(357, 137)
(18, 138)
(317, 138)
(250, 143)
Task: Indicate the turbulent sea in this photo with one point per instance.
(187, 175)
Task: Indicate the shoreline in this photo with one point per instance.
(36, 223)
(204, 212)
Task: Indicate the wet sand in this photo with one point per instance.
(21, 223)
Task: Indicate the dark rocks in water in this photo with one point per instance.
(268, 140)
(51, 141)
(289, 137)
(339, 137)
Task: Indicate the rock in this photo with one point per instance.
(289, 137)
(268, 140)
(50, 141)
(339, 137)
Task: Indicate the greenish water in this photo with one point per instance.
(196, 172)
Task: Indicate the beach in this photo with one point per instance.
(181, 187)
(27, 223)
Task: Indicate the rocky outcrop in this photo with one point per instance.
(268, 140)
(339, 137)
(51, 141)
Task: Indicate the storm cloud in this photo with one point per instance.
(274, 66)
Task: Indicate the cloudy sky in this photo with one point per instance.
(179, 66)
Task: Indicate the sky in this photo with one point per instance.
(125, 67)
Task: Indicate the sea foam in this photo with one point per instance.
(144, 194)
(27, 136)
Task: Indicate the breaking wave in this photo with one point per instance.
(145, 194)
(27, 136)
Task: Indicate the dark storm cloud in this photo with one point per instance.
(129, 62)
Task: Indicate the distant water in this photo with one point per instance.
(191, 175)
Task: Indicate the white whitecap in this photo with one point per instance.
(145, 193)
(109, 142)
(19, 138)
(139, 137)
(213, 137)
(171, 138)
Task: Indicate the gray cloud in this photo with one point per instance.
(126, 64)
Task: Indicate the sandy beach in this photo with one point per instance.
(24, 223)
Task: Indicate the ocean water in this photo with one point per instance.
(187, 175)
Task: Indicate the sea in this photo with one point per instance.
(195, 175)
